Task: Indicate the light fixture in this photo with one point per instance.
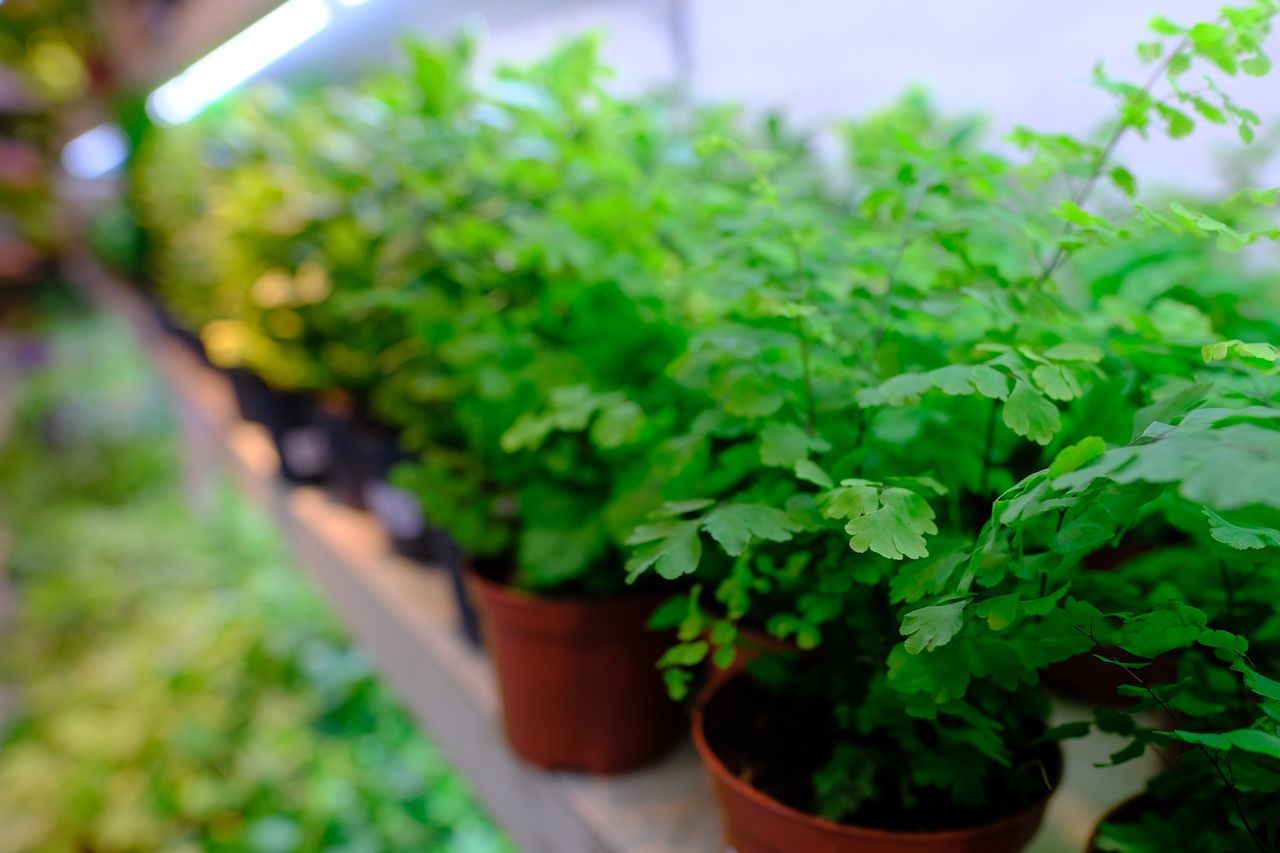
(235, 61)
(95, 152)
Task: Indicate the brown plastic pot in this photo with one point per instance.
(578, 678)
(754, 822)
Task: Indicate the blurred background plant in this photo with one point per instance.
(206, 702)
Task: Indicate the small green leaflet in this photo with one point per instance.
(1246, 740)
(1239, 536)
(671, 547)
(1003, 610)
(808, 470)
(1000, 612)
(1056, 381)
(751, 396)
(1149, 635)
(1073, 457)
(1223, 350)
(1229, 240)
(1177, 123)
(1030, 415)
(684, 654)
(930, 627)
(919, 578)
(954, 380)
(783, 445)
(619, 423)
(1170, 407)
(1260, 684)
(1124, 181)
(1077, 352)
(1222, 458)
(1216, 639)
(1071, 212)
(735, 526)
(891, 521)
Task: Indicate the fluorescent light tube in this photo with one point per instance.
(238, 59)
(95, 152)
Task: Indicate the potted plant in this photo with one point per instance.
(1205, 604)
(1173, 470)
(899, 403)
(535, 395)
(771, 481)
(289, 255)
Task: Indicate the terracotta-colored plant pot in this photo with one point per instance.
(754, 822)
(578, 678)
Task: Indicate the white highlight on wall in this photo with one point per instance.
(238, 59)
(95, 152)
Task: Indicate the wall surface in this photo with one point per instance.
(1016, 61)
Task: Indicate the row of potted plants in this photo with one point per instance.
(878, 446)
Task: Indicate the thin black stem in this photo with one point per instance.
(1226, 774)
(1082, 195)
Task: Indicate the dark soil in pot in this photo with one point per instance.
(345, 437)
(176, 330)
(301, 445)
(254, 398)
(579, 685)
(400, 511)
(762, 752)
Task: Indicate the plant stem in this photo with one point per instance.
(811, 413)
(1082, 195)
(803, 288)
(891, 273)
(1177, 723)
(1229, 588)
(988, 450)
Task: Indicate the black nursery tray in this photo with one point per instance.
(403, 618)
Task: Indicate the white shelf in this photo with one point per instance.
(403, 616)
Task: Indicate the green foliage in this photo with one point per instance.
(1201, 590)
(47, 50)
(952, 331)
(177, 687)
(887, 415)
